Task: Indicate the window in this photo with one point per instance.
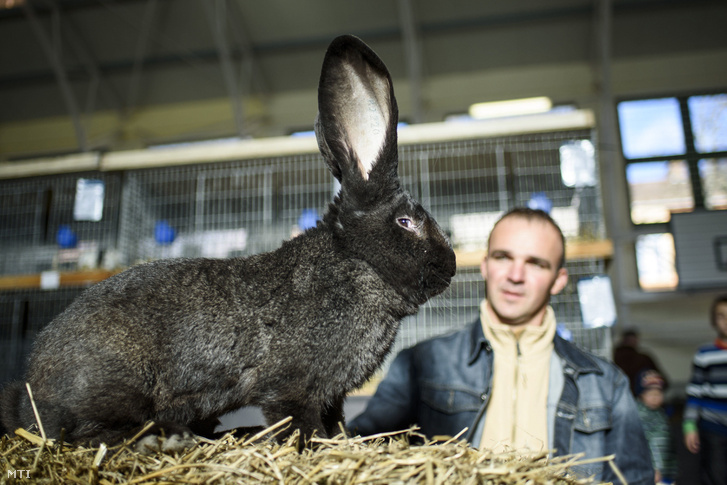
(676, 154)
(708, 115)
(651, 127)
(655, 261)
(713, 173)
(657, 189)
(675, 150)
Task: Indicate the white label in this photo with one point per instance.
(50, 280)
(89, 200)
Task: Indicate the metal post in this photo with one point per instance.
(504, 193)
(608, 150)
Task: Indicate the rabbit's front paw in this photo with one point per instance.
(173, 443)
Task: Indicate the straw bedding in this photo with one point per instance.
(381, 459)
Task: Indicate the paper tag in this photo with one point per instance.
(89, 200)
(597, 305)
(50, 280)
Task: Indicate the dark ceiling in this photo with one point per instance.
(75, 57)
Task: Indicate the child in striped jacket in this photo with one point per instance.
(705, 415)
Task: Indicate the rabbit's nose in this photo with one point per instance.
(451, 262)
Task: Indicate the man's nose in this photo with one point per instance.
(516, 272)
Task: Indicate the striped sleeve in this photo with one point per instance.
(707, 389)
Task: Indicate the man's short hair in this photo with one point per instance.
(531, 215)
(713, 311)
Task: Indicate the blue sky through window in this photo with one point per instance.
(648, 172)
(651, 128)
(709, 122)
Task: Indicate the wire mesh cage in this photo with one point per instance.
(22, 315)
(221, 210)
(35, 212)
(243, 207)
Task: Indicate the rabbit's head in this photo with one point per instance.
(372, 216)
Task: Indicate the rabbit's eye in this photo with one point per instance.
(408, 224)
(405, 222)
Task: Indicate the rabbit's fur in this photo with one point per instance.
(183, 341)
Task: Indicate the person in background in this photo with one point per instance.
(508, 377)
(632, 360)
(650, 387)
(705, 414)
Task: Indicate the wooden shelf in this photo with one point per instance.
(574, 250)
(66, 279)
(602, 249)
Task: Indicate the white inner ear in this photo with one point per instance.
(366, 120)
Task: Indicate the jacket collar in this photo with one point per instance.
(573, 357)
(477, 342)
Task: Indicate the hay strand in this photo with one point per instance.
(35, 411)
(372, 460)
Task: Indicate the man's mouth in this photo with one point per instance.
(512, 295)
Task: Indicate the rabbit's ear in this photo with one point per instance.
(357, 113)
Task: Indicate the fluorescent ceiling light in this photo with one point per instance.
(513, 107)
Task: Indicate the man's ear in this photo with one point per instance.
(560, 281)
(483, 268)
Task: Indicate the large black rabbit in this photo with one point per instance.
(186, 340)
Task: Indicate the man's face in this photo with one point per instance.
(521, 270)
(720, 320)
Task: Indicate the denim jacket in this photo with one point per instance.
(433, 386)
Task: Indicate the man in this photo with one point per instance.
(629, 357)
(705, 415)
(508, 377)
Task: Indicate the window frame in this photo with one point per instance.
(691, 156)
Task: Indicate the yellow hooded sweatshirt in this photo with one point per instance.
(517, 412)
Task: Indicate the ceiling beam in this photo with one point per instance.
(142, 46)
(202, 56)
(79, 46)
(54, 58)
(217, 15)
(413, 54)
(250, 67)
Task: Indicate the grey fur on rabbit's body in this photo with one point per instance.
(183, 341)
